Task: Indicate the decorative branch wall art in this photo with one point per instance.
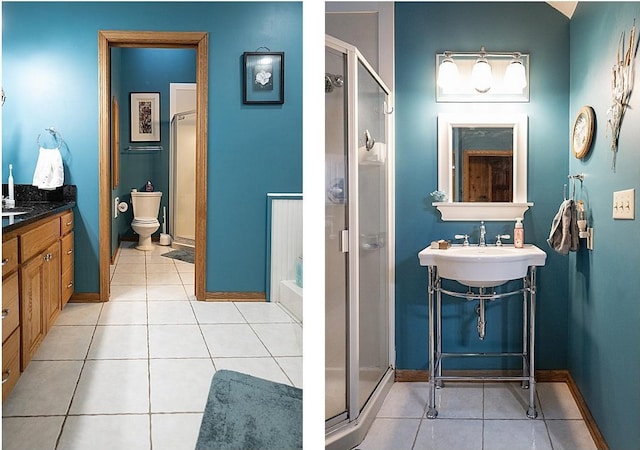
(622, 75)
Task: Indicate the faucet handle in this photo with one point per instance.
(465, 237)
(500, 237)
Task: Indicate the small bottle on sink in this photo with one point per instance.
(518, 234)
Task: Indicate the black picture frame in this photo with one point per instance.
(144, 116)
(263, 79)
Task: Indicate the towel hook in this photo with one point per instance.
(55, 134)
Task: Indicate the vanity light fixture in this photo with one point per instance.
(482, 76)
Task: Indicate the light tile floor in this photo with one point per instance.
(134, 373)
(478, 416)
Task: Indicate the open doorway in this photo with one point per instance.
(150, 39)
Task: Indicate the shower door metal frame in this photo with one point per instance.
(356, 421)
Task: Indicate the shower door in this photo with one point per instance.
(182, 179)
(358, 354)
(336, 220)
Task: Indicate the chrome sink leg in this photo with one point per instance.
(531, 412)
(432, 413)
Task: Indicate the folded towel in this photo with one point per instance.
(564, 237)
(49, 173)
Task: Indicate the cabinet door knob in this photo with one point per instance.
(69, 285)
(69, 223)
(69, 251)
(6, 375)
(5, 261)
(5, 313)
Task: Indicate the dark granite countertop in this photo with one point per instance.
(37, 204)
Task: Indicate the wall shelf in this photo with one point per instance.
(139, 149)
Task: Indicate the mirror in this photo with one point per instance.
(482, 166)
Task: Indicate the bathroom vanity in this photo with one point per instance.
(481, 269)
(37, 278)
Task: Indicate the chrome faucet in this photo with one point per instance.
(483, 232)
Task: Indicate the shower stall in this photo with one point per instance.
(182, 179)
(359, 356)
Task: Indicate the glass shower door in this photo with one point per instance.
(336, 220)
(182, 202)
(373, 305)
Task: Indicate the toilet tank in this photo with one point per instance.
(146, 205)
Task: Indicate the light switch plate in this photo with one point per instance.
(624, 204)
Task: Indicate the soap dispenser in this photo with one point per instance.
(518, 234)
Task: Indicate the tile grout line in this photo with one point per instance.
(75, 389)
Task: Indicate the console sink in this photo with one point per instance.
(483, 266)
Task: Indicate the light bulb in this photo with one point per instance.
(515, 78)
(448, 74)
(481, 75)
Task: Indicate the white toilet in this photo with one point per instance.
(146, 206)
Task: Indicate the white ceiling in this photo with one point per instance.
(566, 8)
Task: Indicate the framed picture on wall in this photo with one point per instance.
(145, 116)
(263, 78)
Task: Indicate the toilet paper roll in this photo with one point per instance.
(123, 207)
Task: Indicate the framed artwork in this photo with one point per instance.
(263, 78)
(115, 143)
(145, 116)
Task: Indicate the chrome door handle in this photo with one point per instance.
(5, 313)
(6, 375)
(5, 261)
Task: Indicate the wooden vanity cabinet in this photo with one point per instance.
(37, 281)
(67, 256)
(10, 326)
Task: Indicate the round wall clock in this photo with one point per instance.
(582, 132)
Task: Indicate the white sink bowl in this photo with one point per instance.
(483, 266)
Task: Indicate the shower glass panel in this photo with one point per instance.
(182, 203)
(373, 309)
(336, 220)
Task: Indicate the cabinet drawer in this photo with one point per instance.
(34, 241)
(67, 251)
(67, 284)
(10, 363)
(66, 222)
(9, 255)
(10, 302)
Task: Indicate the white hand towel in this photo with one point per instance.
(49, 173)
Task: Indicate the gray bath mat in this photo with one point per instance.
(249, 413)
(182, 255)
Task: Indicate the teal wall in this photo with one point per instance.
(50, 76)
(147, 70)
(422, 30)
(604, 306)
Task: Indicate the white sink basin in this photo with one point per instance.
(483, 266)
